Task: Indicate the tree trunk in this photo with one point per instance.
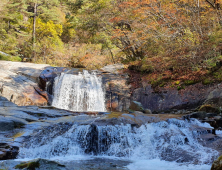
(33, 32)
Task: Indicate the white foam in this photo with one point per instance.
(219, 132)
(157, 164)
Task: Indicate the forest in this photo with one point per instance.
(176, 42)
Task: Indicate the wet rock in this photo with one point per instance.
(136, 118)
(8, 152)
(211, 115)
(113, 121)
(6, 124)
(97, 163)
(217, 165)
(218, 123)
(40, 164)
(10, 123)
(199, 115)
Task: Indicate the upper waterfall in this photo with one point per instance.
(82, 92)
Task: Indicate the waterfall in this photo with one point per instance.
(81, 92)
(171, 140)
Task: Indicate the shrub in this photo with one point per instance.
(9, 58)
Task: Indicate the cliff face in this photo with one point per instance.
(171, 98)
(120, 94)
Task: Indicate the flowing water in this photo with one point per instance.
(81, 92)
(166, 145)
(170, 144)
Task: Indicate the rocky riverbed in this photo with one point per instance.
(27, 89)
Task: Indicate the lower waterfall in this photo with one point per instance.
(81, 92)
(172, 140)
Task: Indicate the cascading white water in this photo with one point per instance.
(81, 92)
(172, 140)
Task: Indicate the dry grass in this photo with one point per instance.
(2, 4)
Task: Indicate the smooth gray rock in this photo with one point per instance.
(9, 123)
(18, 81)
(6, 124)
(5, 103)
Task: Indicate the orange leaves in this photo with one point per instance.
(115, 19)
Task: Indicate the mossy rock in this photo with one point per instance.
(29, 165)
(217, 165)
(136, 106)
(209, 109)
(40, 164)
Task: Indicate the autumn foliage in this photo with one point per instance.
(164, 41)
(171, 40)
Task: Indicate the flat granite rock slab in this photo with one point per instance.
(18, 81)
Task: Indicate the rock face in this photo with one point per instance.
(171, 98)
(18, 83)
(214, 99)
(117, 88)
(117, 91)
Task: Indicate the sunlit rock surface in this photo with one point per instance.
(18, 83)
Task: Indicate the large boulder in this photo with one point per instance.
(214, 99)
(209, 109)
(136, 106)
(47, 76)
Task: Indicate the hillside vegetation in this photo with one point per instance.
(165, 41)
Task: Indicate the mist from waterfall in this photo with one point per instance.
(82, 92)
